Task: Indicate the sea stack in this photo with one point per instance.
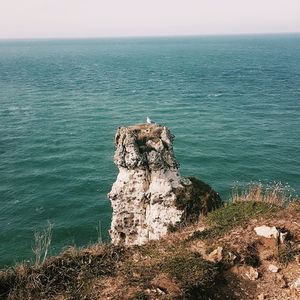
(149, 197)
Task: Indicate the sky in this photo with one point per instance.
(118, 18)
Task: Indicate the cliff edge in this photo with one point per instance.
(149, 196)
(248, 249)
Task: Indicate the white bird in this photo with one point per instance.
(149, 121)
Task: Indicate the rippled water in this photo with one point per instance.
(232, 103)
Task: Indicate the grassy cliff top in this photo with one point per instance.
(219, 257)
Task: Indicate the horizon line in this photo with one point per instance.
(147, 36)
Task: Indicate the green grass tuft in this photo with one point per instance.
(236, 214)
(191, 270)
(232, 215)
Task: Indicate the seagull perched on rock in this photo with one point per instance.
(149, 121)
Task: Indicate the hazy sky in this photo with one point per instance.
(97, 18)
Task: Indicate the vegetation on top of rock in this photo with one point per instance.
(197, 198)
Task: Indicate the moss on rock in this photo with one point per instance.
(195, 199)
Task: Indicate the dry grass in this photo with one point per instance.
(108, 272)
(42, 244)
(275, 194)
(69, 274)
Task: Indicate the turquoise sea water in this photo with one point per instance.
(233, 103)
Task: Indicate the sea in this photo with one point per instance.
(232, 102)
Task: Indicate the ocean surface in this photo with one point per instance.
(233, 103)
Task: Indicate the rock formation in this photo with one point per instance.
(149, 196)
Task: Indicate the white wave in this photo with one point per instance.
(214, 95)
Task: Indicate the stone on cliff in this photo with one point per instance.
(149, 196)
(295, 287)
(272, 268)
(267, 232)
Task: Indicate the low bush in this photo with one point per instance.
(287, 253)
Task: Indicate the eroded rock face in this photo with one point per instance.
(149, 195)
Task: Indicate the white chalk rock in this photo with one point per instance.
(267, 232)
(216, 255)
(296, 285)
(282, 237)
(273, 268)
(252, 274)
(149, 195)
